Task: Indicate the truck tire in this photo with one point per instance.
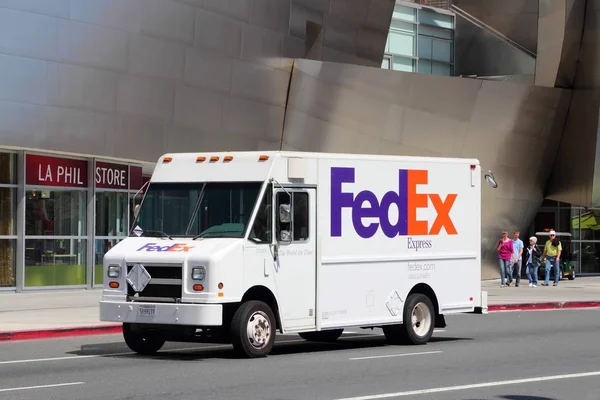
(142, 342)
(322, 336)
(253, 329)
(418, 322)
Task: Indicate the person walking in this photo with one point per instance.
(517, 258)
(552, 251)
(505, 253)
(533, 261)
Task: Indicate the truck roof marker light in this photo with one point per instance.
(114, 285)
(167, 160)
(220, 294)
(473, 166)
(227, 158)
(198, 287)
(214, 159)
(220, 285)
(263, 158)
(200, 159)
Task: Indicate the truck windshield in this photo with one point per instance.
(211, 209)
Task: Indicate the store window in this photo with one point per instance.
(55, 221)
(114, 184)
(8, 210)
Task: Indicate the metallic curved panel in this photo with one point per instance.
(133, 79)
(513, 129)
(560, 29)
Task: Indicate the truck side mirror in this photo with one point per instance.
(136, 210)
(285, 237)
(284, 214)
(491, 180)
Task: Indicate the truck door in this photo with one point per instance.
(295, 255)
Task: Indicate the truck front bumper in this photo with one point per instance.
(162, 313)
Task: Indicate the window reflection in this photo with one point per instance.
(55, 213)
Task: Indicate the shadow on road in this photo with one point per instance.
(287, 345)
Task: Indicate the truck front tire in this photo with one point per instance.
(140, 341)
(418, 322)
(253, 329)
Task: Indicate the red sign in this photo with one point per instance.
(111, 176)
(135, 178)
(55, 171)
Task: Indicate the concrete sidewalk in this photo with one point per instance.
(63, 313)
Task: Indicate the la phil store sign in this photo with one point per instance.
(67, 172)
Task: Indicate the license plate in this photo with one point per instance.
(146, 311)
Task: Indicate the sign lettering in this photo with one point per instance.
(177, 247)
(111, 176)
(55, 171)
(407, 199)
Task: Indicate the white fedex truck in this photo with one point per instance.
(234, 247)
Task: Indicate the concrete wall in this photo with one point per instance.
(133, 79)
(513, 129)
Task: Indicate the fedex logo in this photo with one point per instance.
(177, 247)
(406, 198)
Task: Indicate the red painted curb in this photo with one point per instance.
(60, 332)
(544, 306)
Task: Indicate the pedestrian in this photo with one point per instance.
(517, 258)
(552, 251)
(505, 252)
(533, 261)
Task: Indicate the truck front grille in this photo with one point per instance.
(165, 284)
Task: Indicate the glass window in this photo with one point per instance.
(8, 205)
(442, 50)
(386, 62)
(55, 262)
(405, 13)
(589, 257)
(436, 19)
(589, 222)
(402, 26)
(299, 223)
(101, 247)
(55, 213)
(402, 43)
(441, 69)
(7, 262)
(573, 226)
(262, 229)
(424, 67)
(8, 169)
(403, 64)
(435, 32)
(213, 209)
(111, 214)
(425, 47)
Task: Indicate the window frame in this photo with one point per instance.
(291, 192)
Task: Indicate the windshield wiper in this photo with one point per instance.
(211, 233)
(158, 232)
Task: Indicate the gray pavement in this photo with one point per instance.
(535, 355)
(79, 309)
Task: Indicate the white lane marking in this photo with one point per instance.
(396, 355)
(41, 387)
(217, 347)
(473, 386)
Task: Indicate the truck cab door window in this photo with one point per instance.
(283, 202)
(297, 226)
(262, 229)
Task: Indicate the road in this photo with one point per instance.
(536, 355)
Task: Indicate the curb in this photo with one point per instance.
(60, 332)
(553, 305)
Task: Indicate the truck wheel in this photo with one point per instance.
(142, 342)
(322, 336)
(253, 329)
(418, 322)
(572, 275)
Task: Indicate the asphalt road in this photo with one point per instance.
(536, 355)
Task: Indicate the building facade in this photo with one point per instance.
(93, 92)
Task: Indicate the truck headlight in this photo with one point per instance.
(114, 271)
(198, 273)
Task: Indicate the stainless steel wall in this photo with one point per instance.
(513, 129)
(576, 175)
(136, 78)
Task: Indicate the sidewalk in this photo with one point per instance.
(68, 313)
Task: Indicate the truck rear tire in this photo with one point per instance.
(140, 341)
(253, 329)
(418, 322)
(322, 336)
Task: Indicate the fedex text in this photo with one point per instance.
(177, 247)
